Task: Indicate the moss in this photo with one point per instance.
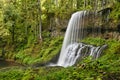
(94, 41)
(113, 45)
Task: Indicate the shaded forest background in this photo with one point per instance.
(25, 21)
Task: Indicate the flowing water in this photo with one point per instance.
(72, 48)
(79, 51)
(74, 32)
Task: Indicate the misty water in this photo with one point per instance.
(72, 48)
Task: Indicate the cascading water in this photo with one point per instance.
(73, 34)
(72, 49)
(78, 51)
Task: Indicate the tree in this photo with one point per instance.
(40, 20)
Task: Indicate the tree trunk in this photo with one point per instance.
(56, 3)
(13, 32)
(40, 20)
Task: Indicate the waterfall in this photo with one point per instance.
(72, 48)
(74, 33)
(79, 51)
(78, 29)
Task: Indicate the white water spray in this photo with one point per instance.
(72, 49)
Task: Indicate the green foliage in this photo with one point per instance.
(104, 68)
(19, 21)
(115, 13)
(36, 52)
(93, 70)
(113, 45)
(12, 74)
(94, 41)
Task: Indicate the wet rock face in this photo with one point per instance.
(112, 35)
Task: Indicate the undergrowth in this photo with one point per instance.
(104, 68)
(34, 52)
